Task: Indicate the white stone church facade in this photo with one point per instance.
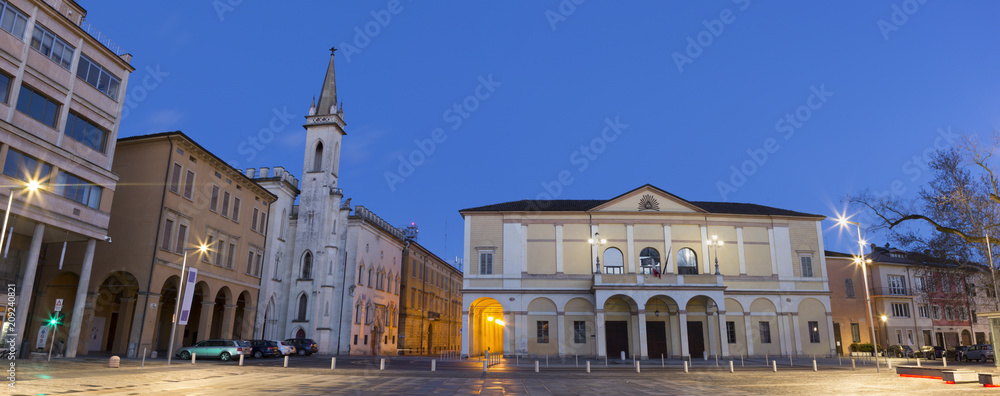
(332, 271)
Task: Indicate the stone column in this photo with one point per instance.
(723, 333)
(466, 331)
(602, 347)
(88, 320)
(204, 323)
(249, 316)
(643, 348)
(749, 328)
(228, 316)
(152, 323)
(76, 318)
(796, 334)
(833, 341)
(125, 309)
(713, 347)
(25, 288)
(682, 321)
(560, 332)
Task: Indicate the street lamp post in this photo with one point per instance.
(32, 186)
(177, 301)
(864, 274)
(597, 241)
(715, 244)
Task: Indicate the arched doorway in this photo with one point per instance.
(702, 326)
(619, 311)
(168, 303)
(196, 329)
(966, 337)
(430, 337)
(486, 331)
(113, 310)
(62, 286)
(662, 331)
(300, 334)
(220, 327)
(267, 328)
(240, 321)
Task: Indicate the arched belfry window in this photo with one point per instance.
(303, 304)
(318, 157)
(307, 264)
(687, 262)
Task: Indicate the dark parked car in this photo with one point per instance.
(980, 352)
(956, 352)
(303, 346)
(899, 351)
(929, 352)
(264, 348)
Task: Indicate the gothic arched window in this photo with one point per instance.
(307, 264)
(318, 158)
(303, 305)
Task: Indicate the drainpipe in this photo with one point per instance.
(152, 261)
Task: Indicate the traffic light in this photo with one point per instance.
(57, 319)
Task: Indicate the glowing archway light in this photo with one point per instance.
(489, 319)
(499, 322)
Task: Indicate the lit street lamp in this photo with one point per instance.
(860, 260)
(716, 243)
(177, 301)
(597, 241)
(32, 187)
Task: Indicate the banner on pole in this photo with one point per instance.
(188, 296)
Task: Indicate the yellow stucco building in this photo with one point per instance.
(646, 273)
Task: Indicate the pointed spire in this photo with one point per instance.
(328, 96)
(312, 107)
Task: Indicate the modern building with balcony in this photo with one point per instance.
(647, 274)
(62, 88)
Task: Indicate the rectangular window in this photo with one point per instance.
(37, 106)
(213, 205)
(98, 77)
(814, 332)
(77, 189)
(855, 332)
(189, 185)
(253, 219)
(229, 255)
(807, 266)
(175, 179)
(250, 262)
(4, 87)
(225, 204)
(53, 47)
(918, 284)
(263, 222)
(765, 332)
(207, 257)
(974, 317)
(923, 311)
(84, 131)
(485, 263)
(13, 20)
(24, 167)
(962, 314)
(168, 229)
(260, 260)
(236, 209)
(542, 335)
(849, 287)
(935, 312)
(949, 313)
(945, 285)
(731, 332)
(897, 285)
(901, 310)
(181, 238)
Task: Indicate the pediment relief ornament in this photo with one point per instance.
(648, 203)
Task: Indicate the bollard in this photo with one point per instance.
(789, 360)
(705, 355)
(114, 362)
(637, 364)
(381, 365)
(853, 367)
(741, 361)
(918, 362)
(193, 355)
(577, 360)
(546, 360)
(774, 365)
(685, 366)
(433, 365)
(286, 360)
(143, 358)
(536, 366)
(588, 367)
(485, 367)
(333, 363)
(662, 364)
(241, 359)
(840, 360)
(152, 355)
(814, 365)
(605, 361)
(731, 370)
(517, 360)
(888, 363)
(944, 361)
(623, 355)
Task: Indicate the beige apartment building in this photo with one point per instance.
(61, 98)
(643, 274)
(174, 195)
(430, 301)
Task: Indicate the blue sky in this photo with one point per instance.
(840, 96)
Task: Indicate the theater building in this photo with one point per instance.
(646, 273)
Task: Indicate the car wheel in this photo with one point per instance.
(185, 355)
(982, 359)
(302, 352)
(258, 354)
(225, 356)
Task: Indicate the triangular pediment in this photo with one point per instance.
(648, 198)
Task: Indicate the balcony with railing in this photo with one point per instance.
(102, 38)
(899, 291)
